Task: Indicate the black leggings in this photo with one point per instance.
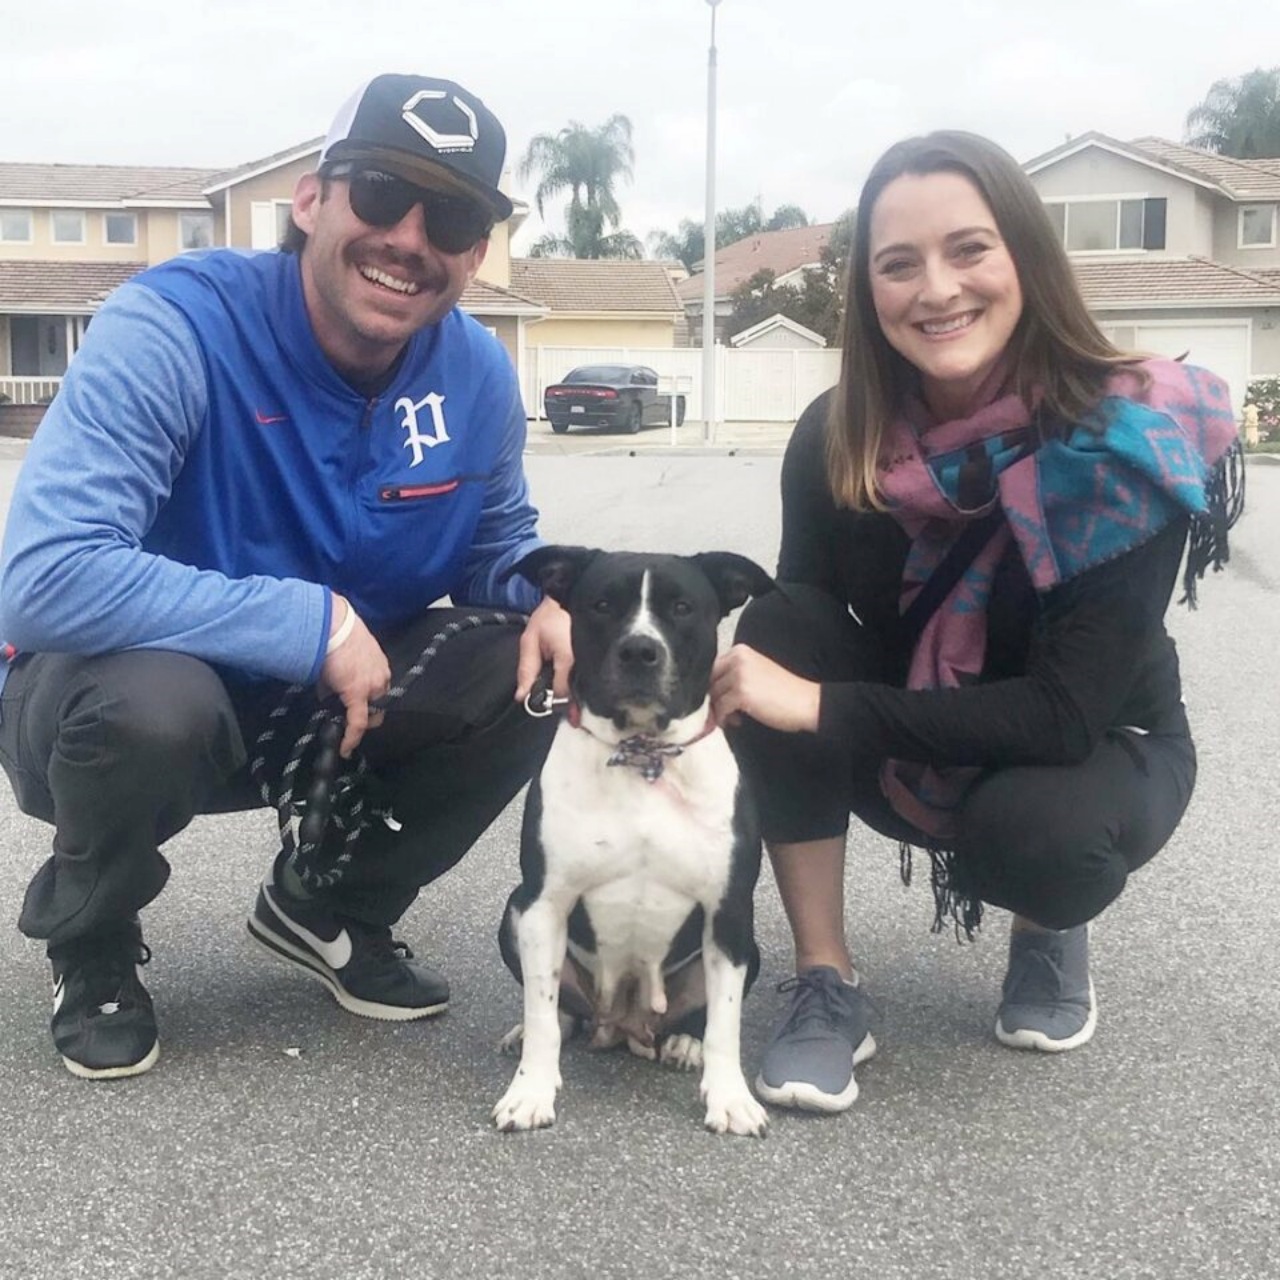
(119, 752)
(1052, 843)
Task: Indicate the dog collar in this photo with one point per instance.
(649, 755)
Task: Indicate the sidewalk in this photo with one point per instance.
(691, 439)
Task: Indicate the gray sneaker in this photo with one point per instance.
(825, 1034)
(1048, 1001)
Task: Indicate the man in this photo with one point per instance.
(262, 469)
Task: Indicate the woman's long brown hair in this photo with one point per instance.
(1056, 349)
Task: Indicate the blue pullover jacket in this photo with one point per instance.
(205, 477)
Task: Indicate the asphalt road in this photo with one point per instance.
(280, 1137)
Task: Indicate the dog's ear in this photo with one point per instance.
(555, 569)
(734, 577)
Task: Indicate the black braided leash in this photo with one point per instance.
(336, 795)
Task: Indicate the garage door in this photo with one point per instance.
(1223, 348)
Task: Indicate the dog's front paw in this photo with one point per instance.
(530, 1103)
(734, 1110)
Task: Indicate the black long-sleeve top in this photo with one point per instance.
(1061, 667)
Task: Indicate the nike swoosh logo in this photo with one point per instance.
(59, 990)
(266, 419)
(335, 952)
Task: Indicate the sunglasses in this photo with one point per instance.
(454, 224)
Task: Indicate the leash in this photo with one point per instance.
(341, 794)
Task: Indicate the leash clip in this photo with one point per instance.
(549, 702)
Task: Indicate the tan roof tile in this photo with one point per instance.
(1173, 281)
(776, 251)
(484, 298)
(83, 183)
(44, 286)
(577, 284)
(228, 176)
(1259, 179)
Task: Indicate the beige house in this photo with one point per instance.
(788, 254)
(1177, 250)
(599, 303)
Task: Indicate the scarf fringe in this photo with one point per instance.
(952, 900)
(1207, 545)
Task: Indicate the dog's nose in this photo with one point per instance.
(639, 651)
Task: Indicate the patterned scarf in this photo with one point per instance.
(1143, 457)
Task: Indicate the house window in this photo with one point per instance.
(15, 226)
(268, 221)
(121, 228)
(195, 231)
(1257, 226)
(1110, 225)
(68, 226)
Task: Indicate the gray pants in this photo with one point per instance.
(120, 752)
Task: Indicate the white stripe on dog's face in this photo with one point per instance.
(643, 622)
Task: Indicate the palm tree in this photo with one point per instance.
(1240, 117)
(688, 243)
(586, 163)
(685, 245)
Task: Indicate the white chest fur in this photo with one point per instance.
(641, 854)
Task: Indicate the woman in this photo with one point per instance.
(982, 528)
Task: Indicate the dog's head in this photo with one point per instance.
(644, 626)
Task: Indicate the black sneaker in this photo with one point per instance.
(368, 972)
(103, 1024)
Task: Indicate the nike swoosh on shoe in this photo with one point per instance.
(335, 952)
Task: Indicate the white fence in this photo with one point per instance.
(28, 390)
(751, 386)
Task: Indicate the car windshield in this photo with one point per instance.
(600, 373)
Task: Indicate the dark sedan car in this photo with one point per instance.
(623, 396)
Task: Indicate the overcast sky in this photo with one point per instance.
(810, 91)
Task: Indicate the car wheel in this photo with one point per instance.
(631, 422)
(559, 427)
(680, 408)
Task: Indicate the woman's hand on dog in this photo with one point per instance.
(545, 640)
(744, 682)
(358, 672)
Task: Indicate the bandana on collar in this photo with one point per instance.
(1144, 456)
(648, 755)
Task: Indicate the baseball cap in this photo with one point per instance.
(418, 127)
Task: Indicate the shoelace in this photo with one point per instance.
(380, 946)
(1037, 978)
(817, 1005)
(105, 966)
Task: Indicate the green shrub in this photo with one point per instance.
(1265, 393)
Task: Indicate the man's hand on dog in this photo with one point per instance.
(545, 639)
(744, 682)
(358, 672)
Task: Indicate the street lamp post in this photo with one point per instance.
(709, 248)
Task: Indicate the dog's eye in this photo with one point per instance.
(600, 606)
(681, 608)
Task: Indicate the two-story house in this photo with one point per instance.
(1177, 250)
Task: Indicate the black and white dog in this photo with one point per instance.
(640, 847)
